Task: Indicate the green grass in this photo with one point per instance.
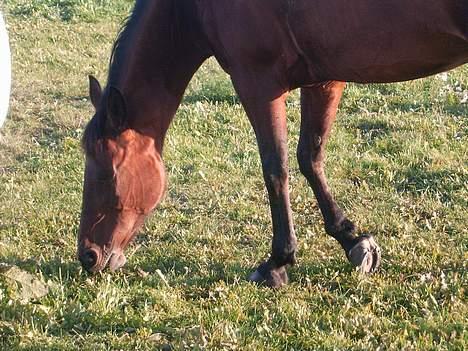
(397, 162)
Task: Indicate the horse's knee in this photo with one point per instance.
(304, 158)
(275, 173)
(310, 156)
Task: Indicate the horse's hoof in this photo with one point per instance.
(365, 254)
(271, 277)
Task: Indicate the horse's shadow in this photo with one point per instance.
(185, 271)
(444, 184)
(212, 97)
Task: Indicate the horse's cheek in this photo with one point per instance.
(155, 184)
(153, 192)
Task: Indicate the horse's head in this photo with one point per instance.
(124, 181)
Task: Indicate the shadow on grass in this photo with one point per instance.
(218, 90)
(55, 269)
(373, 130)
(442, 183)
(456, 109)
(190, 271)
(212, 97)
(395, 98)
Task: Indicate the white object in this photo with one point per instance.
(5, 71)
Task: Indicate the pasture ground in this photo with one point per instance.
(397, 162)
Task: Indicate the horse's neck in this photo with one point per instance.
(159, 57)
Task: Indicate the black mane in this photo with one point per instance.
(94, 130)
(179, 15)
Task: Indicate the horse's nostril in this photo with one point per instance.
(88, 259)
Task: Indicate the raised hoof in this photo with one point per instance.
(273, 278)
(365, 254)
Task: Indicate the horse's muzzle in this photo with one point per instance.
(93, 261)
(88, 258)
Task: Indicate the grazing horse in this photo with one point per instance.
(268, 47)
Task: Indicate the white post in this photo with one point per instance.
(5, 71)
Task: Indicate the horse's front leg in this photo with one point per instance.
(318, 111)
(267, 114)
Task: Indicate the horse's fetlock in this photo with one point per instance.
(343, 232)
(284, 257)
(339, 227)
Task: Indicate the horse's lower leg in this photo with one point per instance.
(268, 119)
(318, 111)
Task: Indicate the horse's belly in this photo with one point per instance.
(413, 60)
(379, 41)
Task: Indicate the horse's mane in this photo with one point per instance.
(95, 128)
(177, 17)
(119, 45)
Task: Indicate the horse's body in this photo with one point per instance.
(355, 41)
(268, 47)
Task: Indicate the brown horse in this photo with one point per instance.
(268, 47)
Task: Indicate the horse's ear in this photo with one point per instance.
(95, 91)
(116, 110)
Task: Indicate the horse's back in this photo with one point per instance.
(381, 41)
(360, 40)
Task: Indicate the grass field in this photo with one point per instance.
(397, 162)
